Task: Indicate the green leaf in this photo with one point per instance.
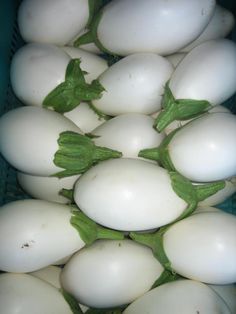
(77, 153)
(89, 231)
(68, 95)
(73, 303)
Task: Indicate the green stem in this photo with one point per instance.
(67, 193)
(150, 153)
(165, 277)
(203, 191)
(103, 153)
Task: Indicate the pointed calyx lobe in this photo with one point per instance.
(68, 95)
(77, 153)
(179, 109)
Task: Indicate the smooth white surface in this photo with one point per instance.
(93, 64)
(220, 25)
(128, 133)
(202, 74)
(176, 58)
(46, 188)
(182, 296)
(35, 234)
(50, 274)
(84, 117)
(203, 247)
(128, 194)
(124, 270)
(204, 150)
(228, 294)
(129, 26)
(25, 294)
(29, 138)
(50, 21)
(134, 84)
(36, 69)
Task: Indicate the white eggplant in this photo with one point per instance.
(201, 245)
(36, 69)
(53, 22)
(43, 138)
(124, 269)
(196, 84)
(182, 296)
(91, 63)
(25, 294)
(131, 194)
(35, 234)
(203, 150)
(134, 84)
(124, 27)
(220, 25)
(46, 188)
(128, 133)
(85, 117)
(50, 274)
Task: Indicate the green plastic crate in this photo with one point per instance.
(10, 41)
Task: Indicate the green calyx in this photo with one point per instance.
(77, 153)
(89, 231)
(68, 95)
(179, 109)
(73, 303)
(165, 277)
(92, 37)
(155, 242)
(160, 153)
(105, 311)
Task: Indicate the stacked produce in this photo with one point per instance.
(124, 147)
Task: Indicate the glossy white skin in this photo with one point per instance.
(124, 270)
(181, 296)
(203, 247)
(46, 188)
(134, 84)
(35, 234)
(199, 75)
(228, 294)
(220, 25)
(128, 194)
(29, 138)
(84, 117)
(204, 150)
(50, 21)
(25, 294)
(36, 69)
(129, 26)
(50, 274)
(128, 133)
(222, 195)
(176, 58)
(177, 123)
(93, 64)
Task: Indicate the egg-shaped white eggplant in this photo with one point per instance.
(124, 27)
(182, 296)
(128, 133)
(37, 141)
(53, 22)
(196, 84)
(124, 269)
(132, 194)
(203, 247)
(203, 150)
(25, 294)
(134, 84)
(35, 234)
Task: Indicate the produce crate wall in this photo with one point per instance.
(10, 41)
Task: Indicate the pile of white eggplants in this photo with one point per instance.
(124, 162)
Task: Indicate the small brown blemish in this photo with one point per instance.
(119, 244)
(28, 244)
